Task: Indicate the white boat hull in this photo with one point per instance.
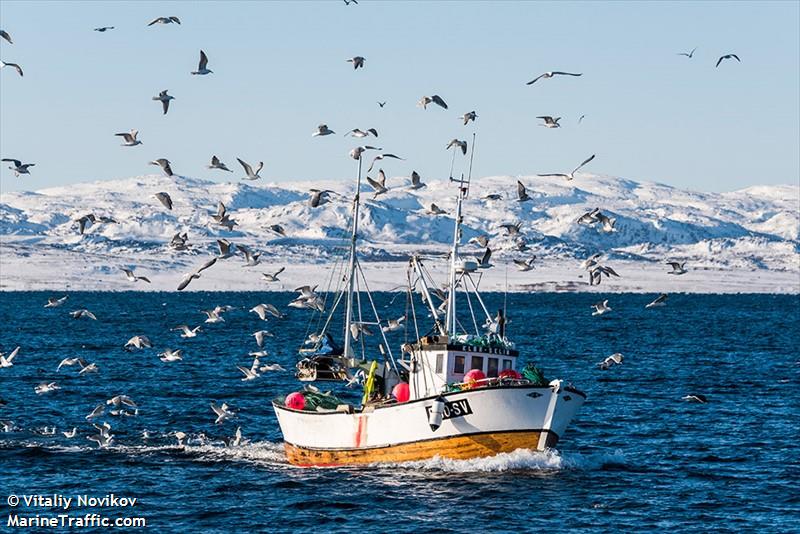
(477, 423)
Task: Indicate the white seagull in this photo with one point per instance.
(661, 300)
(600, 308)
(77, 314)
(188, 332)
(46, 387)
(53, 302)
(571, 175)
(130, 138)
(614, 359)
(677, 268)
(19, 167)
(165, 20)
(170, 355)
(223, 412)
(550, 74)
(550, 122)
(165, 199)
(133, 278)
(13, 65)
(272, 277)
(8, 361)
(249, 170)
(435, 99)
(416, 181)
(139, 342)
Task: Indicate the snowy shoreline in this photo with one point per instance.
(745, 241)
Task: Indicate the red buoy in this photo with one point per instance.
(401, 392)
(295, 401)
(472, 377)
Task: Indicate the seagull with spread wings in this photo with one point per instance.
(202, 66)
(571, 174)
(550, 74)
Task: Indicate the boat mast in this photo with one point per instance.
(351, 269)
(463, 190)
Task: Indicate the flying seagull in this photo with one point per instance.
(202, 66)
(381, 104)
(226, 249)
(357, 61)
(138, 342)
(188, 332)
(170, 355)
(550, 74)
(318, 198)
(435, 210)
(273, 277)
(363, 133)
(357, 151)
(4, 34)
(483, 261)
(470, 116)
(259, 335)
(695, 397)
(133, 278)
(263, 309)
(165, 199)
(322, 129)
(460, 144)
(677, 268)
(600, 308)
(380, 157)
(525, 265)
(550, 122)
(77, 314)
(164, 98)
(728, 56)
(251, 259)
(14, 65)
(379, 185)
(436, 99)
(614, 359)
(511, 229)
(571, 175)
(53, 302)
(394, 324)
(689, 55)
(249, 170)
(661, 300)
(164, 164)
(522, 193)
(416, 181)
(104, 29)
(19, 167)
(130, 138)
(223, 412)
(165, 20)
(7, 361)
(217, 164)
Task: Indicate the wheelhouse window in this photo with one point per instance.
(507, 364)
(477, 363)
(439, 362)
(491, 368)
(458, 365)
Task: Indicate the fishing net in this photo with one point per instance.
(534, 374)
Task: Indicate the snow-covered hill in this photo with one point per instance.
(746, 235)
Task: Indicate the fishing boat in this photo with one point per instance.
(452, 393)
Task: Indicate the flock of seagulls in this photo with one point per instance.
(307, 297)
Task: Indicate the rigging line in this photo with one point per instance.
(505, 296)
(471, 311)
(358, 312)
(452, 164)
(480, 300)
(378, 320)
(412, 356)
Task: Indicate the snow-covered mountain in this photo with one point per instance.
(753, 230)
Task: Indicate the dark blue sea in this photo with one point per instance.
(637, 458)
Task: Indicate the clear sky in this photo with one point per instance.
(280, 69)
